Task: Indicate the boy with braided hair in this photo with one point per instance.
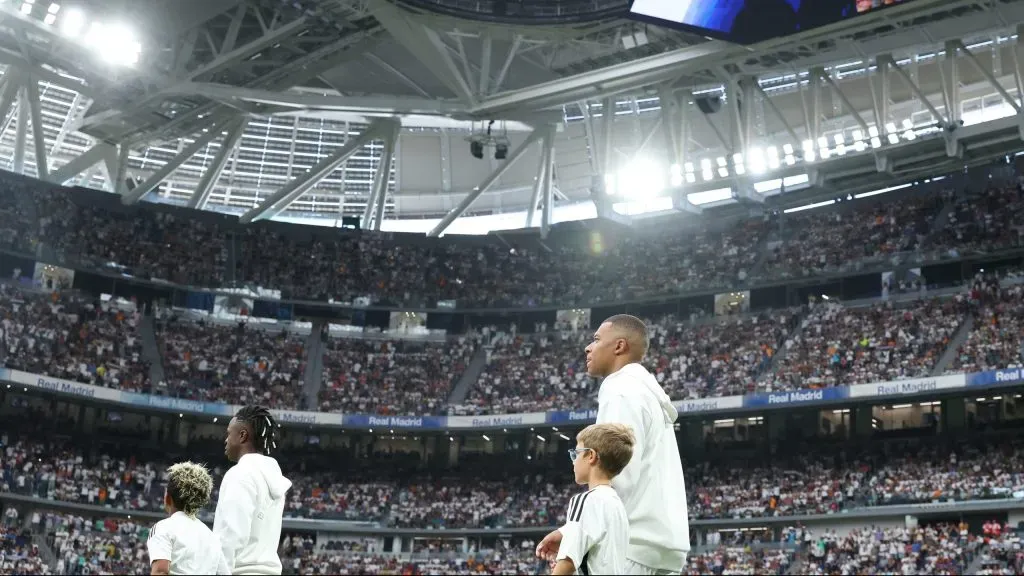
(252, 495)
(182, 544)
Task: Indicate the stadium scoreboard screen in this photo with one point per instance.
(751, 21)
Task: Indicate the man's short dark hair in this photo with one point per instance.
(634, 330)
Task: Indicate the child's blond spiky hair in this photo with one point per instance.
(189, 485)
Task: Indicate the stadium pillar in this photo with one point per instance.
(538, 184)
(548, 158)
(954, 415)
(381, 179)
(19, 135)
(863, 423)
(38, 135)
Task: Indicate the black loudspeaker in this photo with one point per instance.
(476, 149)
(709, 104)
(500, 151)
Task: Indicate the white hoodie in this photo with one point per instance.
(651, 486)
(249, 513)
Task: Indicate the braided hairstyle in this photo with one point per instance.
(263, 427)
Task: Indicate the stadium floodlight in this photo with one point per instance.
(737, 164)
(72, 23)
(808, 151)
(908, 126)
(676, 180)
(53, 9)
(891, 133)
(840, 144)
(642, 178)
(688, 167)
(823, 148)
(26, 8)
(721, 162)
(858, 141)
(773, 157)
(755, 161)
(690, 178)
(114, 43)
(787, 149)
(723, 172)
(707, 175)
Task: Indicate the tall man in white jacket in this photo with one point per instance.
(252, 495)
(651, 486)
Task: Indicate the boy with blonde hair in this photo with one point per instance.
(182, 544)
(596, 532)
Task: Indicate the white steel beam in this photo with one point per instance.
(397, 74)
(548, 156)
(21, 131)
(132, 196)
(850, 109)
(426, 46)
(205, 187)
(915, 89)
(291, 191)
(986, 72)
(381, 179)
(368, 106)
(81, 163)
(487, 183)
(38, 134)
(485, 65)
(11, 86)
(604, 82)
(540, 180)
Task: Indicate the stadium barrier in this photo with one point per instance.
(898, 389)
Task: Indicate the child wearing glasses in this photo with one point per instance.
(596, 532)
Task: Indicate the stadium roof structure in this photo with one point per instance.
(289, 109)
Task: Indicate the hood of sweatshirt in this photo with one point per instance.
(652, 387)
(270, 471)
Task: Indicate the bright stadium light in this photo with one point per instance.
(823, 147)
(737, 164)
(26, 8)
(755, 161)
(858, 141)
(773, 157)
(891, 133)
(808, 151)
(72, 23)
(114, 43)
(908, 127)
(840, 144)
(609, 184)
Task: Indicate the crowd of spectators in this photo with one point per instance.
(730, 560)
(237, 363)
(819, 242)
(826, 484)
(73, 337)
(494, 561)
(938, 549)
(531, 373)
(96, 545)
(580, 263)
(18, 554)
(138, 241)
(837, 345)
(996, 339)
(716, 357)
(16, 231)
(397, 377)
(983, 221)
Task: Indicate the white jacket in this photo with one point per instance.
(249, 512)
(651, 486)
